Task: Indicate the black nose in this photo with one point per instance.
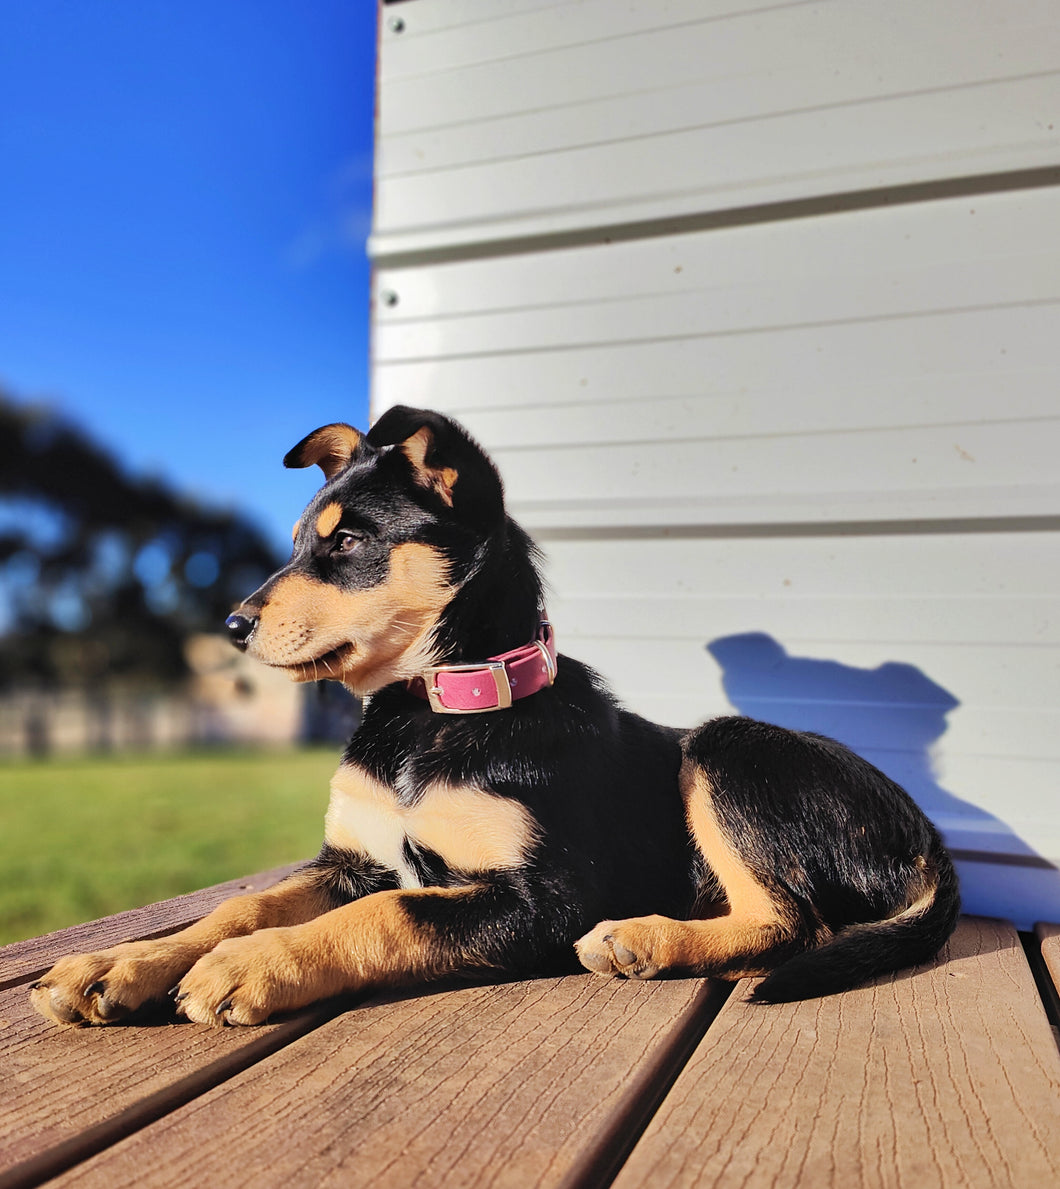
(240, 629)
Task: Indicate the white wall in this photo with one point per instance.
(758, 308)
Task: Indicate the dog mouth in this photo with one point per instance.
(328, 664)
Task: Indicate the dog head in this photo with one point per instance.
(404, 519)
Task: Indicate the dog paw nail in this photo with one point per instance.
(222, 1007)
(623, 956)
(180, 996)
(95, 988)
(36, 986)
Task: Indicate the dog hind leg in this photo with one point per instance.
(643, 947)
(751, 928)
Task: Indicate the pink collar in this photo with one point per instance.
(491, 684)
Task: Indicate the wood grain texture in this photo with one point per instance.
(506, 1085)
(68, 1092)
(23, 961)
(944, 1076)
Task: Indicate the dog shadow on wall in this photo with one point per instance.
(893, 715)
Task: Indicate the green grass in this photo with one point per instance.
(88, 837)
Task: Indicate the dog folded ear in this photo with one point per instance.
(420, 451)
(445, 459)
(331, 447)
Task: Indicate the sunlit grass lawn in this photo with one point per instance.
(84, 838)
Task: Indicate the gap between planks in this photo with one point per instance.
(642, 1085)
(1047, 972)
(53, 1115)
(57, 1158)
(506, 1085)
(944, 1076)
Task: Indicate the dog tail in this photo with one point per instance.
(860, 952)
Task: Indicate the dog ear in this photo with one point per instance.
(420, 451)
(445, 459)
(331, 447)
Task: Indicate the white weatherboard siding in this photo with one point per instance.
(875, 364)
(527, 119)
(758, 309)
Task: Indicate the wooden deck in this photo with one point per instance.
(945, 1076)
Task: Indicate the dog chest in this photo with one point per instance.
(471, 830)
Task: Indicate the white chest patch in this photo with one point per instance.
(469, 829)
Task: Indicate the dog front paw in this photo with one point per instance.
(245, 980)
(109, 985)
(621, 947)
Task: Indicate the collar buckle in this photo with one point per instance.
(495, 669)
(542, 642)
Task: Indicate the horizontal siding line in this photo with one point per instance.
(714, 501)
(897, 648)
(389, 321)
(702, 126)
(601, 400)
(598, 99)
(962, 752)
(599, 444)
(722, 333)
(792, 594)
(468, 22)
(757, 614)
(392, 76)
(392, 317)
(971, 185)
(694, 640)
(535, 110)
(1002, 858)
(918, 526)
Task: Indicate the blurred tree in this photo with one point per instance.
(103, 575)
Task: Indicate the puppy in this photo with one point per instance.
(497, 811)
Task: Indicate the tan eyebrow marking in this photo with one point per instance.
(328, 520)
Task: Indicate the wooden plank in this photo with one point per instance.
(507, 1085)
(23, 961)
(68, 1092)
(944, 1077)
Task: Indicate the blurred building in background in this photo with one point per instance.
(112, 593)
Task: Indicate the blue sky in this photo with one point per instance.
(186, 193)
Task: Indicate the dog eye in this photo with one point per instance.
(346, 542)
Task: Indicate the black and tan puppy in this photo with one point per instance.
(499, 812)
